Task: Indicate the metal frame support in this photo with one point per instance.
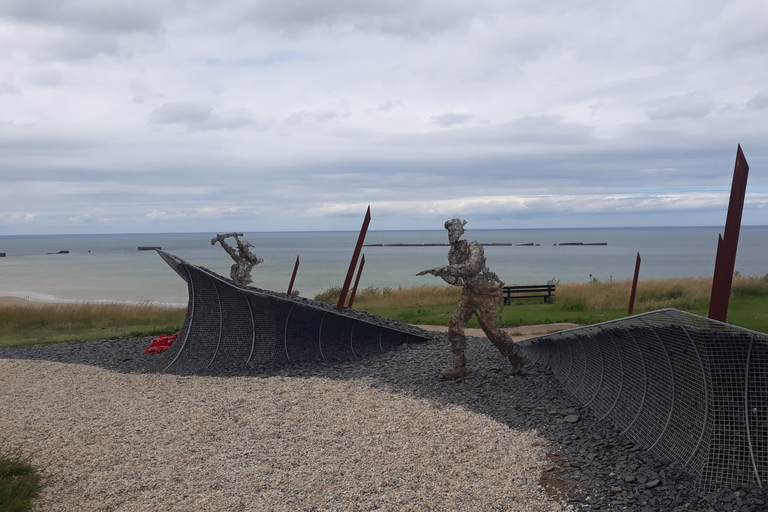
(353, 263)
(357, 281)
(293, 276)
(728, 242)
(634, 286)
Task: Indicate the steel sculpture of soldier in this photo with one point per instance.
(240, 272)
(481, 296)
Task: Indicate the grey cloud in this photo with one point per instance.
(739, 31)
(78, 46)
(535, 72)
(759, 100)
(230, 120)
(311, 117)
(391, 105)
(113, 16)
(82, 29)
(450, 119)
(196, 116)
(675, 107)
(181, 113)
(9, 88)
(544, 129)
(399, 17)
(47, 78)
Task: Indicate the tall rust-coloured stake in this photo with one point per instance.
(634, 286)
(353, 263)
(728, 242)
(357, 281)
(293, 277)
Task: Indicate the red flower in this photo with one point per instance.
(161, 343)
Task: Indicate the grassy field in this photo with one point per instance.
(581, 303)
(54, 323)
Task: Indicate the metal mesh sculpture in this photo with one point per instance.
(481, 296)
(228, 325)
(690, 389)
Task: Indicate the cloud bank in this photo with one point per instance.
(181, 115)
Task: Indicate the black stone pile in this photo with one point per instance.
(591, 465)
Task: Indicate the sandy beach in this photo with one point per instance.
(21, 302)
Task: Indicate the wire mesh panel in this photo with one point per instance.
(729, 455)
(234, 343)
(690, 389)
(611, 374)
(591, 381)
(756, 408)
(651, 420)
(229, 325)
(336, 338)
(301, 341)
(263, 347)
(361, 336)
(205, 314)
(633, 378)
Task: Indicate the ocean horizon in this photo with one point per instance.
(111, 268)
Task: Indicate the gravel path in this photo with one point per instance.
(381, 433)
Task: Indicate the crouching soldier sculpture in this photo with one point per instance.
(240, 272)
(481, 296)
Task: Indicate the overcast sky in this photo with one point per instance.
(271, 115)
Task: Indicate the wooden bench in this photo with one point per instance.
(529, 292)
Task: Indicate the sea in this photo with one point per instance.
(111, 268)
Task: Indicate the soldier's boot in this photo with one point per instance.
(459, 366)
(517, 362)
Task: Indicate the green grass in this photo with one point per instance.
(19, 484)
(584, 303)
(53, 323)
(580, 303)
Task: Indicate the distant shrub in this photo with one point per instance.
(750, 286)
(332, 294)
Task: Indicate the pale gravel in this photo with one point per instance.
(141, 442)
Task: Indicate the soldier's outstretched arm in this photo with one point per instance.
(444, 273)
(230, 250)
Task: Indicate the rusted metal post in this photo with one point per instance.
(353, 263)
(634, 286)
(357, 281)
(293, 277)
(728, 242)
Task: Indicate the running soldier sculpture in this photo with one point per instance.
(481, 296)
(240, 272)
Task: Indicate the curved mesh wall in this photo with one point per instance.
(229, 325)
(690, 389)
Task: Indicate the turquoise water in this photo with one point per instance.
(111, 268)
